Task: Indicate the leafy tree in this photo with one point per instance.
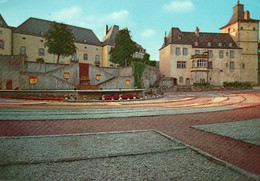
(124, 48)
(60, 40)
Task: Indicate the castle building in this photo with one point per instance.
(27, 39)
(193, 57)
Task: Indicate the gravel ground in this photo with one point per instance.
(173, 165)
(248, 130)
(39, 149)
(136, 155)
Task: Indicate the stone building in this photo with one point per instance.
(27, 39)
(109, 42)
(232, 55)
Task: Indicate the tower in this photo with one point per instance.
(245, 32)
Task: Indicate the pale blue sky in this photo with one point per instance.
(146, 19)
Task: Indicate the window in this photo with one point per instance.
(210, 65)
(221, 54)
(185, 51)
(181, 80)
(209, 44)
(196, 43)
(178, 51)
(232, 54)
(1, 44)
(201, 63)
(85, 56)
(210, 53)
(197, 52)
(22, 50)
(1, 23)
(133, 55)
(253, 28)
(232, 65)
(241, 28)
(230, 44)
(181, 65)
(220, 44)
(41, 52)
(74, 57)
(97, 58)
(243, 66)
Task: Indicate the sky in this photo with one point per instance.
(148, 20)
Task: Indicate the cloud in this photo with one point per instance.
(179, 6)
(148, 33)
(67, 14)
(120, 15)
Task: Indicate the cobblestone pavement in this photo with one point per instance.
(219, 108)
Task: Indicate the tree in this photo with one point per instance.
(124, 48)
(60, 40)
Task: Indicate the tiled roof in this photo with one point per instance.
(36, 27)
(110, 37)
(176, 36)
(2, 22)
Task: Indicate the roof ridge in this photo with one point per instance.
(57, 22)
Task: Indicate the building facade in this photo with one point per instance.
(27, 39)
(190, 57)
(109, 42)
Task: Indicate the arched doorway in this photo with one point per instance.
(174, 81)
(9, 85)
(187, 81)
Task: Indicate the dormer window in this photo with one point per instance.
(179, 36)
(41, 33)
(85, 41)
(230, 44)
(196, 43)
(209, 44)
(220, 44)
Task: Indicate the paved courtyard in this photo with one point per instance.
(198, 136)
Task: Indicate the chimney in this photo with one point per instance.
(106, 29)
(247, 15)
(165, 39)
(197, 31)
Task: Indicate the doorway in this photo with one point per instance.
(187, 81)
(9, 85)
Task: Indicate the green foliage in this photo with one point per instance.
(205, 84)
(124, 48)
(40, 60)
(237, 84)
(60, 40)
(138, 69)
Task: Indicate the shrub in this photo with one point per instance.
(205, 84)
(40, 60)
(237, 84)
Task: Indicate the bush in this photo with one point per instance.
(40, 60)
(205, 84)
(237, 84)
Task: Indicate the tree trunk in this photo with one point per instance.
(58, 58)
